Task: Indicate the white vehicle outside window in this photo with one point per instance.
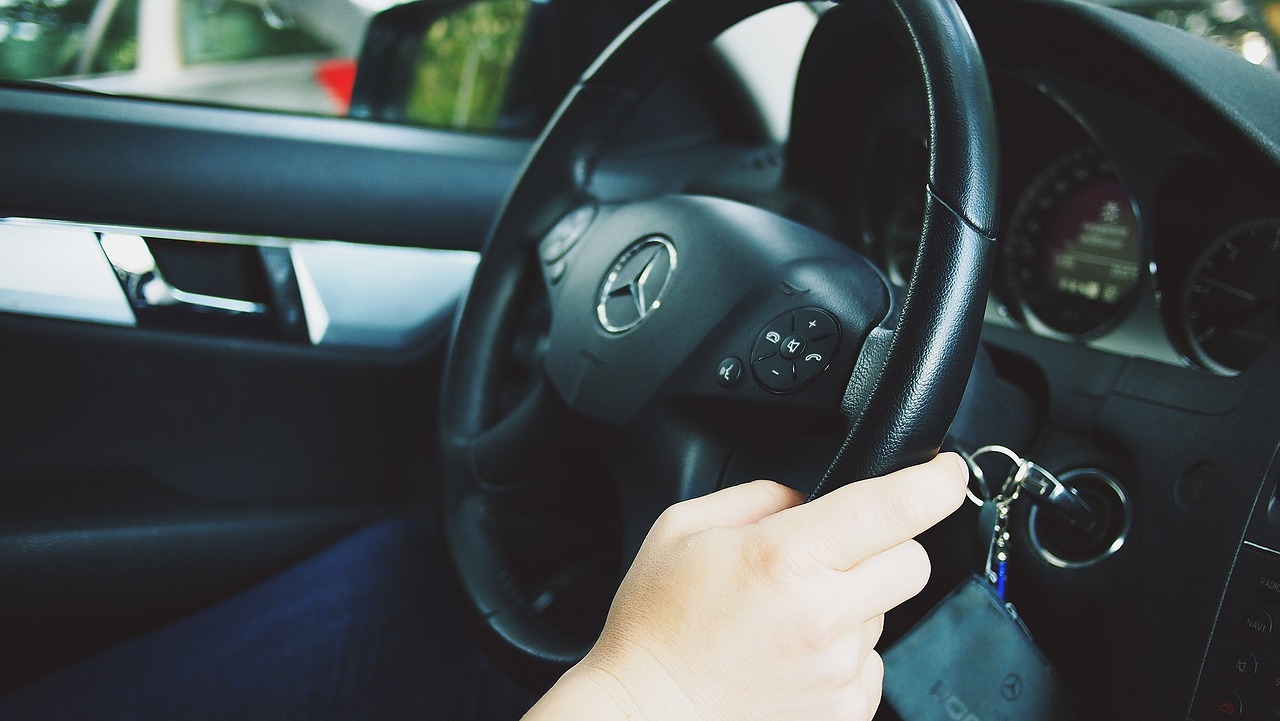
(289, 56)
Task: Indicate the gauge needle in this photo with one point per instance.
(1228, 288)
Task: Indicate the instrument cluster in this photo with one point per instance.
(1124, 235)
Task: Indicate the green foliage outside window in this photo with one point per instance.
(218, 31)
(464, 65)
(51, 38)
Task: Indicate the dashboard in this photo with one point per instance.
(1121, 231)
(1131, 327)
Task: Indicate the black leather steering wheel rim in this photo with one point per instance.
(908, 382)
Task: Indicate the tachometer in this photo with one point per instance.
(1229, 310)
(1073, 254)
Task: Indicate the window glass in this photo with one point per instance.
(291, 55)
(463, 65)
(50, 38)
(114, 48)
(215, 31)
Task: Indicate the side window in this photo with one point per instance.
(42, 39)
(465, 64)
(289, 55)
(223, 31)
(111, 40)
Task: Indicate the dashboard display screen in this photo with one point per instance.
(1074, 251)
(1093, 250)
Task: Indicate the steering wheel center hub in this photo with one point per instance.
(633, 289)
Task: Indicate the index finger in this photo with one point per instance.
(853, 523)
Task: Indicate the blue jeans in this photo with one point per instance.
(371, 628)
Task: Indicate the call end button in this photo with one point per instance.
(1227, 705)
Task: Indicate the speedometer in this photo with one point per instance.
(1073, 253)
(1229, 309)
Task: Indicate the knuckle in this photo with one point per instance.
(772, 559)
(873, 683)
(780, 494)
(673, 520)
(875, 629)
(821, 632)
(903, 510)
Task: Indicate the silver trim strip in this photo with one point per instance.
(1264, 549)
(381, 297)
(59, 271)
(167, 234)
(353, 295)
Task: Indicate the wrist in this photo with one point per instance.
(588, 694)
(592, 692)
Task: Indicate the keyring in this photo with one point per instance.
(976, 472)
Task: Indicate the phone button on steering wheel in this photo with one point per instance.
(794, 348)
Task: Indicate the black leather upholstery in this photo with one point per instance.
(905, 413)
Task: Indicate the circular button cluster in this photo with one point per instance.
(794, 348)
(561, 239)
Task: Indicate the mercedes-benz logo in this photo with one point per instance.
(632, 291)
(1011, 687)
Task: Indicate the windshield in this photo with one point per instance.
(1247, 27)
(299, 55)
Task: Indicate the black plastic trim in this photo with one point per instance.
(295, 176)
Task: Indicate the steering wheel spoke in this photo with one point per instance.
(534, 440)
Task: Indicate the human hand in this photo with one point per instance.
(746, 604)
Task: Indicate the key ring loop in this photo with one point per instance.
(1016, 475)
(975, 474)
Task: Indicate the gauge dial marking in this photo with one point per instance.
(1227, 288)
(1229, 310)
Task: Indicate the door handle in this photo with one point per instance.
(147, 287)
(157, 292)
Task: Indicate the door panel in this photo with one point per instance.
(146, 472)
(153, 164)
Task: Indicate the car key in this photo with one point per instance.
(1044, 488)
(1035, 482)
(998, 551)
(1002, 497)
(974, 643)
(1023, 474)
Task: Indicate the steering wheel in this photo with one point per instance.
(684, 327)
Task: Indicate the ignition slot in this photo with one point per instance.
(1070, 545)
